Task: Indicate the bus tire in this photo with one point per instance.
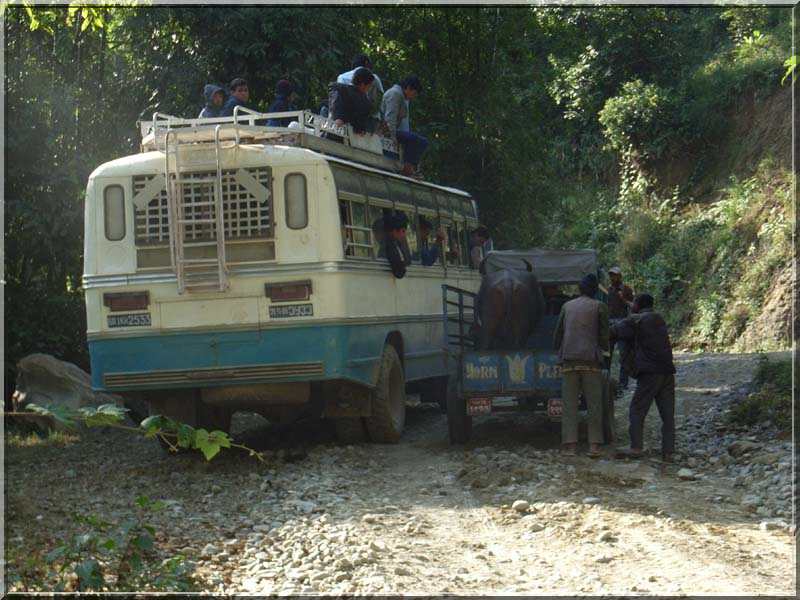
(609, 420)
(350, 430)
(385, 425)
(459, 423)
(435, 391)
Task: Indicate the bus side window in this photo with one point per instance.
(463, 240)
(355, 230)
(453, 245)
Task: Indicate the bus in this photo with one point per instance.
(231, 265)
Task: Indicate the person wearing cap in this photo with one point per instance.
(581, 338)
(652, 365)
(620, 300)
(215, 98)
(284, 94)
(428, 253)
(396, 246)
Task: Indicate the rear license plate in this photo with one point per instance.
(554, 407)
(479, 406)
(135, 320)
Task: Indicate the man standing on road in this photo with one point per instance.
(650, 357)
(581, 338)
(620, 298)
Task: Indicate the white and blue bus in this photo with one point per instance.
(234, 266)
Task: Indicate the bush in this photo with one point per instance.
(773, 401)
(639, 117)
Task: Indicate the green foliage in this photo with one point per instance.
(107, 556)
(773, 401)
(174, 435)
(639, 117)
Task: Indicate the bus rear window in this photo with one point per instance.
(114, 212)
(296, 196)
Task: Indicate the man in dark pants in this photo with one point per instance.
(620, 298)
(649, 356)
(581, 338)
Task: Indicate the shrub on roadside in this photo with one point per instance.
(773, 400)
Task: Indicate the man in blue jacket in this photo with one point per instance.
(240, 94)
(282, 103)
(215, 98)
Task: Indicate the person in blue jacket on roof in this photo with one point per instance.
(215, 98)
(240, 94)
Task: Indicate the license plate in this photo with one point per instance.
(135, 320)
(479, 406)
(554, 407)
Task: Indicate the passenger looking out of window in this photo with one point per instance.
(395, 109)
(428, 253)
(478, 239)
(554, 299)
(240, 95)
(395, 243)
(215, 98)
(375, 91)
(284, 102)
(350, 104)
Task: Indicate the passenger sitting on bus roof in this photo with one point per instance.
(323, 110)
(396, 245)
(479, 237)
(240, 94)
(284, 95)
(215, 98)
(395, 109)
(350, 104)
(375, 91)
(428, 253)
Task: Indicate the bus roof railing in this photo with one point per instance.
(247, 123)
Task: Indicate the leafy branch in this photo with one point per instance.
(176, 436)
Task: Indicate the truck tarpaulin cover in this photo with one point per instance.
(549, 266)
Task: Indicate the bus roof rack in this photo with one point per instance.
(310, 131)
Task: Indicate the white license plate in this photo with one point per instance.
(554, 407)
(479, 406)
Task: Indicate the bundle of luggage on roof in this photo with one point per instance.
(357, 98)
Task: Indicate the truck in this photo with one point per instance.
(529, 379)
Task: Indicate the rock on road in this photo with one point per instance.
(505, 514)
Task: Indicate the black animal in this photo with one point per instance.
(509, 305)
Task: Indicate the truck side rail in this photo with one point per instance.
(457, 324)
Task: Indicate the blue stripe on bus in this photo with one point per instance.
(346, 351)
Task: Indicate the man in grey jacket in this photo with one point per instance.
(581, 338)
(395, 109)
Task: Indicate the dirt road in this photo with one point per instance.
(505, 514)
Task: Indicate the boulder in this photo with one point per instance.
(45, 380)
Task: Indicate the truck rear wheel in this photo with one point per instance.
(459, 424)
(388, 400)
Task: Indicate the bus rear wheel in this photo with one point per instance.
(388, 418)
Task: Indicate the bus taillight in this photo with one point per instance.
(288, 291)
(123, 301)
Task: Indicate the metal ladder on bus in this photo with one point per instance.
(198, 274)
